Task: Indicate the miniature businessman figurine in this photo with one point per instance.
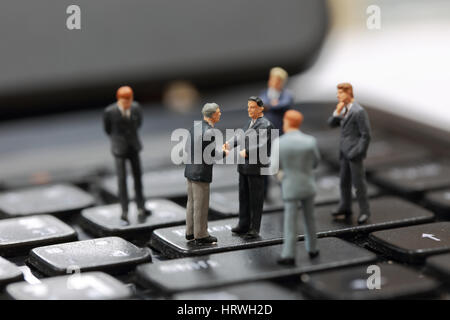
(199, 175)
(251, 181)
(121, 122)
(277, 100)
(298, 157)
(355, 139)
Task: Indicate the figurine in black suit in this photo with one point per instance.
(251, 182)
(121, 121)
(198, 173)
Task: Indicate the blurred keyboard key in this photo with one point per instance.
(383, 151)
(439, 202)
(248, 291)
(9, 272)
(170, 183)
(18, 235)
(82, 286)
(105, 220)
(247, 265)
(48, 199)
(387, 212)
(413, 244)
(111, 254)
(413, 179)
(360, 283)
(226, 202)
(440, 266)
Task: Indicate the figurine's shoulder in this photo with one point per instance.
(265, 123)
(111, 108)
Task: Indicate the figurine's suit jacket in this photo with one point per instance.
(298, 157)
(122, 130)
(248, 168)
(355, 132)
(275, 114)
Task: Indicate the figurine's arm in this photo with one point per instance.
(139, 116)
(107, 122)
(275, 165)
(365, 134)
(335, 121)
(266, 142)
(286, 101)
(316, 155)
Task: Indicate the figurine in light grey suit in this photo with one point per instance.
(355, 139)
(298, 157)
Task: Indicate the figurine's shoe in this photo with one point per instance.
(251, 235)
(313, 254)
(286, 261)
(144, 212)
(124, 217)
(206, 240)
(189, 237)
(239, 230)
(363, 218)
(339, 212)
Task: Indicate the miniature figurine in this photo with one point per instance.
(298, 157)
(121, 121)
(276, 99)
(199, 176)
(355, 139)
(251, 182)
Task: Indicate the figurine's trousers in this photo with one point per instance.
(353, 173)
(197, 209)
(251, 201)
(122, 180)
(291, 211)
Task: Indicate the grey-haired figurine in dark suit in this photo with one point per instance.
(251, 181)
(355, 139)
(297, 158)
(121, 121)
(199, 175)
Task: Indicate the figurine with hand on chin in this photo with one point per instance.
(199, 175)
(355, 139)
(297, 158)
(121, 121)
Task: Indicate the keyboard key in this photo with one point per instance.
(226, 202)
(247, 265)
(170, 183)
(105, 220)
(413, 244)
(387, 212)
(9, 272)
(249, 291)
(82, 286)
(440, 266)
(19, 235)
(439, 202)
(414, 179)
(396, 282)
(51, 199)
(103, 254)
(383, 151)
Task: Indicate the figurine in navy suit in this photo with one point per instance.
(276, 99)
(355, 139)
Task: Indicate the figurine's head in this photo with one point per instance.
(345, 92)
(292, 120)
(255, 107)
(277, 78)
(211, 112)
(125, 97)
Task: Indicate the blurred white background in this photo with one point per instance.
(403, 67)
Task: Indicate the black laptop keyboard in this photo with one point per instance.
(65, 239)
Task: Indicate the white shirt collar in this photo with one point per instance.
(125, 113)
